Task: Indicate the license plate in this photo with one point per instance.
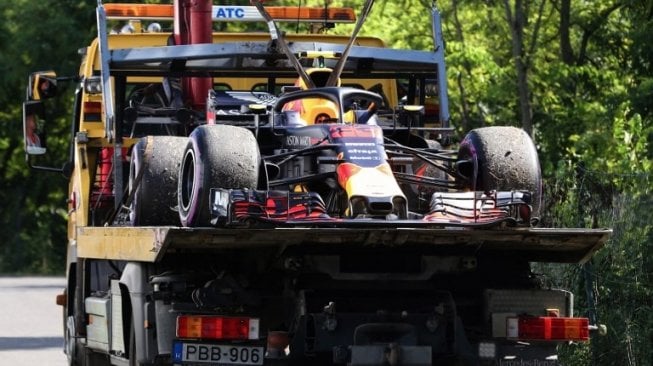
(220, 354)
(528, 362)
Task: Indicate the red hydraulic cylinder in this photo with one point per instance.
(193, 24)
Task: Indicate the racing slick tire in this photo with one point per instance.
(216, 156)
(154, 198)
(507, 161)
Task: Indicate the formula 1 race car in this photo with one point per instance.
(364, 168)
(326, 151)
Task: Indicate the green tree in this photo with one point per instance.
(35, 36)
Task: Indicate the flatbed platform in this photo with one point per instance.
(149, 244)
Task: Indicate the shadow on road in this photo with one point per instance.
(32, 287)
(27, 343)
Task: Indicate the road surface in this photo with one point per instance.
(30, 321)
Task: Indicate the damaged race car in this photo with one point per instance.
(359, 166)
(325, 153)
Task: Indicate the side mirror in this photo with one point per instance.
(42, 85)
(33, 128)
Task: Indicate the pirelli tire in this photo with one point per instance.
(154, 194)
(507, 161)
(216, 156)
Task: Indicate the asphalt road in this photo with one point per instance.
(30, 321)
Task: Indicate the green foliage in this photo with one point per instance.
(619, 275)
(33, 239)
(593, 125)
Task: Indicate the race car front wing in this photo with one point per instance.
(247, 207)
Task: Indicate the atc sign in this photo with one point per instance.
(235, 13)
(230, 13)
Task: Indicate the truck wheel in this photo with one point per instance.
(77, 353)
(70, 343)
(154, 198)
(507, 160)
(217, 156)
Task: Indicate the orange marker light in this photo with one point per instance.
(140, 11)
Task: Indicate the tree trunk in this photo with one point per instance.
(465, 124)
(517, 22)
(463, 102)
(566, 51)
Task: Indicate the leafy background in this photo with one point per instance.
(576, 74)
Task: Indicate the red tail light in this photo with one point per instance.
(548, 328)
(217, 327)
(92, 111)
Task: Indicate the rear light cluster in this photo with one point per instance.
(548, 328)
(92, 111)
(217, 327)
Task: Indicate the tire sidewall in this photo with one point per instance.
(216, 156)
(191, 192)
(135, 166)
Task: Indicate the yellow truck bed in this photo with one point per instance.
(149, 244)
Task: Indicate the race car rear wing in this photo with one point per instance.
(255, 58)
(250, 59)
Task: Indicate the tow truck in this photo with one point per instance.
(266, 198)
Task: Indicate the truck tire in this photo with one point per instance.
(70, 343)
(507, 160)
(154, 200)
(216, 156)
(76, 351)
